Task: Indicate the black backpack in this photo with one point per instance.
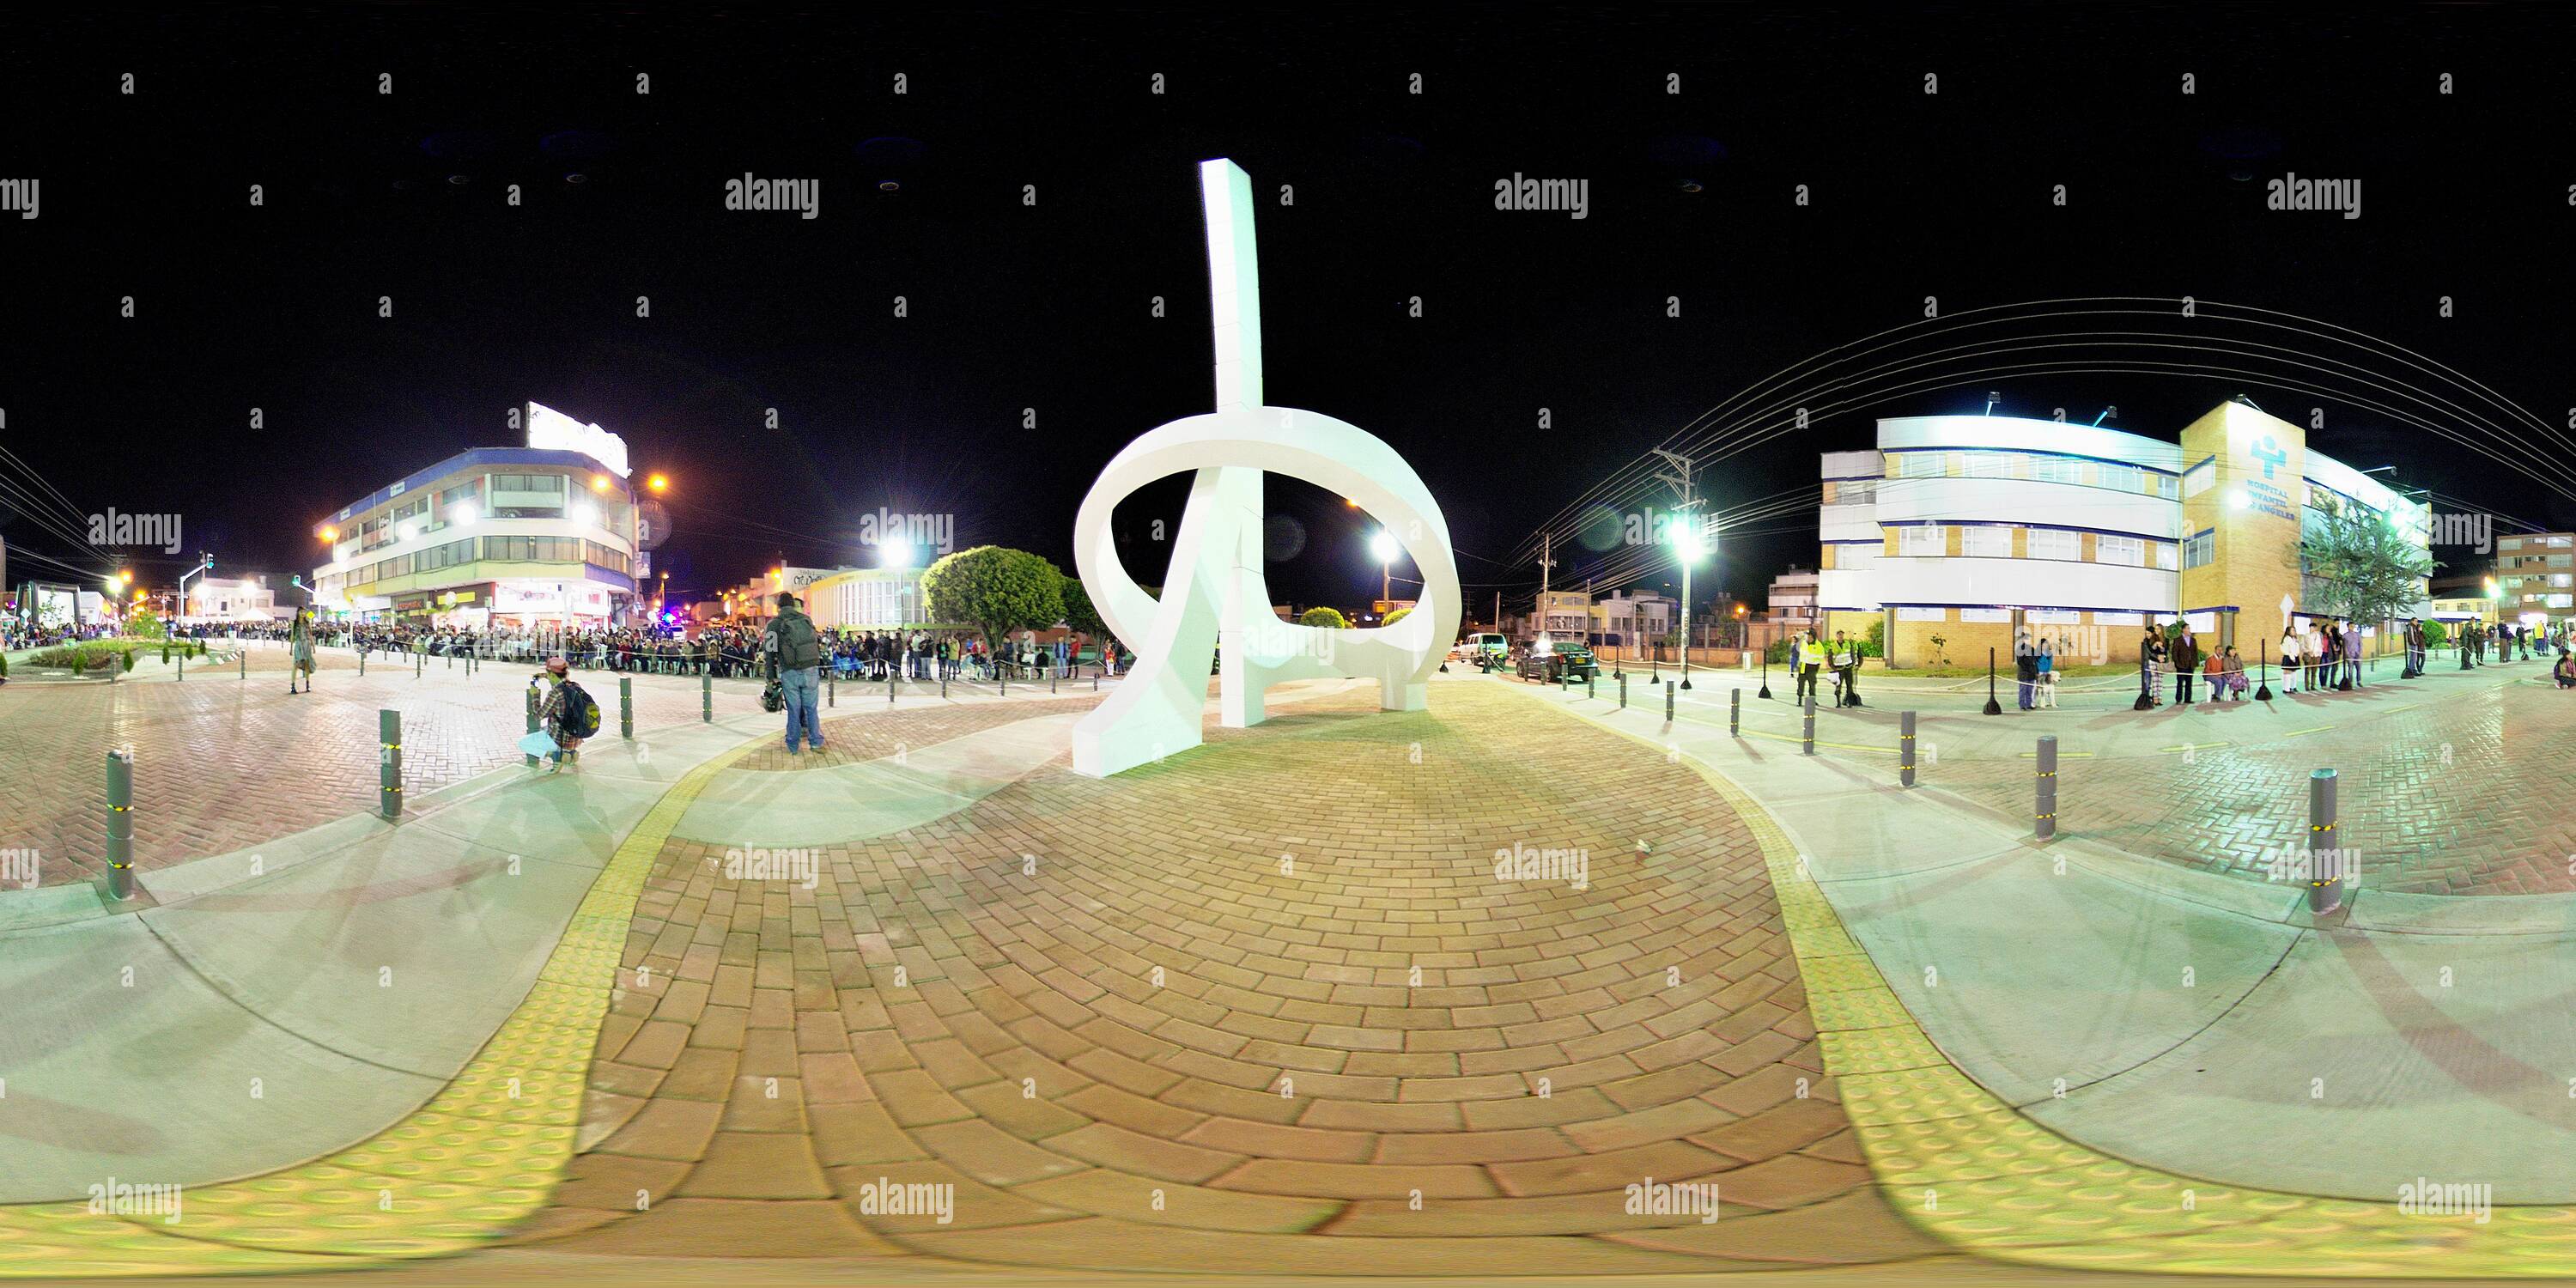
(773, 697)
(580, 714)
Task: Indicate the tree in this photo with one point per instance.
(995, 590)
(1396, 616)
(144, 624)
(2435, 634)
(1331, 617)
(1080, 615)
(2357, 566)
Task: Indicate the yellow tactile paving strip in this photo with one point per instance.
(1966, 1168)
(483, 1155)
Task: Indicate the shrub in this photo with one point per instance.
(129, 659)
(1319, 616)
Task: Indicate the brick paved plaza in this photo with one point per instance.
(1267, 1006)
(223, 763)
(1194, 1036)
(2450, 785)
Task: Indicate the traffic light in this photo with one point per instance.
(296, 581)
(209, 557)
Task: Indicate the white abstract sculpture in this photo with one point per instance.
(1214, 590)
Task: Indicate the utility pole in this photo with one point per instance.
(1685, 541)
(1546, 564)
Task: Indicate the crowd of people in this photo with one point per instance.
(724, 650)
(2177, 666)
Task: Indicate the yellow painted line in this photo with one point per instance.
(2195, 746)
(1969, 1169)
(2298, 732)
(456, 1174)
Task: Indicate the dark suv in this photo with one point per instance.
(1563, 660)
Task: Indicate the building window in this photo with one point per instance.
(1924, 465)
(2126, 551)
(2198, 551)
(1990, 465)
(2057, 469)
(1855, 492)
(2168, 487)
(533, 549)
(2122, 477)
(1921, 539)
(1986, 542)
(2052, 543)
(2200, 478)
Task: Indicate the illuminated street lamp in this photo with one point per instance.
(658, 483)
(1688, 547)
(1384, 546)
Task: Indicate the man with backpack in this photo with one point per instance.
(795, 650)
(569, 715)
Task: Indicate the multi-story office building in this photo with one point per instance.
(2535, 577)
(867, 599)
(1564, 614)
(1793, 602)
(234, 600)
(1954, 532)
(509, 537)
(757, 599)
(1629, 618)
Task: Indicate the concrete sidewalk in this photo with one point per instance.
(254, 1010)
(2199, 1024)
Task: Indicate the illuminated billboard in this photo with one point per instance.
(551, 430)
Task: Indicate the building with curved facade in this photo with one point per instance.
(1955, 532)
(509, 537)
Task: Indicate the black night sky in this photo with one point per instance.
(1048, 306)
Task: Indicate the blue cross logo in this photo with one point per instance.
(2270, 453)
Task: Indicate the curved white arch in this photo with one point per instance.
(1215, 589)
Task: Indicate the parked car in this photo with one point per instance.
(1549, 661)
(1487, 649)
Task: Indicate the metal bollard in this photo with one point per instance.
(831, 687)
(389, 773)
(2044, 807)
(626, 708)
(1095, 681)
(419, 663)
(1905, 749)
(183, 665)
(1734, 712)
(707, 697)
(1623, 693)
(1808, 746)
(532, 716)
(889, 686)
(2324, 895)
(362, 661)
(120, 825)
(1668, 702)
(244, 658)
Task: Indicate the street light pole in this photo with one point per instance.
(1686, 542)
